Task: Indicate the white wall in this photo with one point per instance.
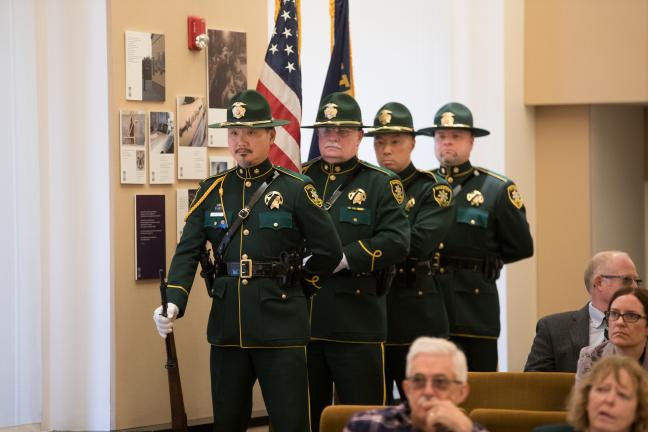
(21, 219)
(422, 53)
(56, 236)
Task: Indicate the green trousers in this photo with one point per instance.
(357, 369)
(283, 379)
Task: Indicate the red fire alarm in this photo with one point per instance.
(197, 37)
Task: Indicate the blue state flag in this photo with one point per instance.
(339, 77)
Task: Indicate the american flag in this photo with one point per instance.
(280, 83)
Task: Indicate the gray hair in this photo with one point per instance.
(598, 261)
(439, 347)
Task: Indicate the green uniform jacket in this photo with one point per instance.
(256, 312)
(374, 232)
(490, 224)
(415, 305)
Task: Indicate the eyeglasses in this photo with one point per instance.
(628, 317)
(342, 132)
(439, 382)
(626, 281)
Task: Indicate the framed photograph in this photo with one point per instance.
(145, 66)
(226, 66)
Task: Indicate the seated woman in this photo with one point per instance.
(613, 397)
(627, 328)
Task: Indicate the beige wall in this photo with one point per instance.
(617, 167)
(580, 57)
(140, 387)
(586, 51)
(563, 241)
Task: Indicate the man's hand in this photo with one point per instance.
(164, 324)
(446, 413)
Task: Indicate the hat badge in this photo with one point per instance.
(447, 119)
(238, 109)
(385, 117)
(330, 110)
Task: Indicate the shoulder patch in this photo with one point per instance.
(514, 196)
(312, 195)
(291, 173)
(442, 195)
(397, 190)
(376, 168)
(492, 174)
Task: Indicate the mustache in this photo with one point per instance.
(242, 150)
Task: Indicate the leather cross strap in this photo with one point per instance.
(337, 192)
(243, 214)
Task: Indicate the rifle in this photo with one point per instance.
(178, 414)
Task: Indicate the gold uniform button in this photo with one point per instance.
(472, 221)
(332, 177)
(450, 179)
(248, 183)
(401, 270)
(244, 281)
(355, 219)
(244, 256)
(275, 224)
(240, 171)
(420, 293)
(455, 170)
(357, 291)
(476, 290)
(325, 167)
(442, 270)
(246, 231)
(283, 296)
(441, 245)
(413, 269)
(256, 170)
(337, 169)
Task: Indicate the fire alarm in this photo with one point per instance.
(197, 37)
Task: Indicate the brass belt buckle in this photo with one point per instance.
(245, 271)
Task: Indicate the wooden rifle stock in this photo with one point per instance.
(178, 414)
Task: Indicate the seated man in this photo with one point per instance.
(560, 337)
(435, 384)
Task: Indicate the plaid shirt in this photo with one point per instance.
(390, 419)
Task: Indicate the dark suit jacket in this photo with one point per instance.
(558, 341)
(554, 428)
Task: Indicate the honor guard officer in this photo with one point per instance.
(415, 305)
(490, 229)
(348, 316)
(257, 217)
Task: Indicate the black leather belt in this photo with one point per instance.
(413, 266)
(464, 263)
(246, 268)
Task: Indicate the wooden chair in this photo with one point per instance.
(506, 420)
(535, 391)
(334, 417)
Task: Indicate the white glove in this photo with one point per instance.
(164, 324)
(343, 264)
